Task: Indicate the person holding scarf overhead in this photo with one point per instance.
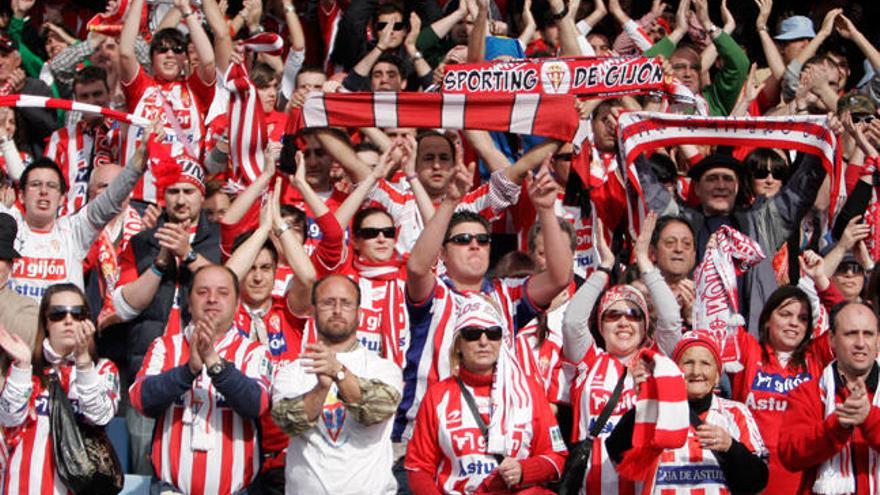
(488, 428)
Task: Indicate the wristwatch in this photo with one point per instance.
(190, 256)
(561, 14)
(217, 368)
(340, 375)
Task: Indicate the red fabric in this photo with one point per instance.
(809, 438)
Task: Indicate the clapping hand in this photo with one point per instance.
(16, 348)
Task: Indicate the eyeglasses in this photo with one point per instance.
(398, 26)
(59, 313)
(465, 239)
(778, 173)
(631, 314)
(849, 266)
(177, 49)
(330, 304)
(38, 184)
(679, 67)
(473, 334)
(373, 232)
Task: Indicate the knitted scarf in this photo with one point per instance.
(836, 475)
(715, 307)
(662, 417)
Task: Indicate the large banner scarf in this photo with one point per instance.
(30, 101)
(551, 116)
(640, 132)
(585, 77)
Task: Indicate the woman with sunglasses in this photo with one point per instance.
(849, 261)
(602, 340)
(487, 428)
(64, 352)
(723, 453)
(768, 170)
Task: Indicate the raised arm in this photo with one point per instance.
(243, 202)
(569, 44)
(300, 289)
(546, 285)
(201, 43)
(128, 63)
(847, 30)
(294, 27)
(343, 153)
(477, 38)
(420, 276)
(356, 198)
(442, 26)
(771, 51)
(667, 330)
(222, 38)
(529, 27)
(242, 259)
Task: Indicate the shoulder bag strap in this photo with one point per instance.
(469, 399)
(609, 406)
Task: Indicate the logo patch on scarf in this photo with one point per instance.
(334, 416)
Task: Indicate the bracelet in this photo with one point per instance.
(561, 14)
(186, 14)
(417, 56)
(290, 9)
(159, 271)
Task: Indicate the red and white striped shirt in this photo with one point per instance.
(447, 442)
(77, 148)
(200, 444)
(188, 101)
(24, 411)
(693, 470)
(490, 200)
(544, 361)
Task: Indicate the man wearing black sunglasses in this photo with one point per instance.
(461, 241)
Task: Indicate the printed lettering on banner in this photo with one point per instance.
(774, 382)
(40, 268)
(689, 475)
(476, 465)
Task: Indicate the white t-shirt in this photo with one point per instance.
(50, 257)
(339, 455)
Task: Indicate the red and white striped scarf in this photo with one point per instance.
(836, 474)
(552, 116)
(717, 301)
(31, 101)
(247, 127)
(640, 132)
(662, 417)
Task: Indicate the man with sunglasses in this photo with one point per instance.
(352, 40)
(336, 403)
(461, 241)
(178, 98)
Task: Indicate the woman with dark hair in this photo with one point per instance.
(767, 170)
(785, 355)
(64, 351)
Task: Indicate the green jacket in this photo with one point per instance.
(722, 94)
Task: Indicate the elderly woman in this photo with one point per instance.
(603, 347)
(487, 428)
(723, 453)
(64, 353)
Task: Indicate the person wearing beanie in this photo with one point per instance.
(508, 441)
(156, 270)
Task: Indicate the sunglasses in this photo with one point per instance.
(863, 118)
(778, 173)
(465, 239)
(59, 313)
(850, 266)
(373, 232)
(473, 334)
(398, 26)
(177, 49)
(631, 314)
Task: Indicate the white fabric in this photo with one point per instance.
(339, 455)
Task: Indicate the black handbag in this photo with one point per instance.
(85, 459)
(579, 455)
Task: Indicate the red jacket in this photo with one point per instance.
(809, 439)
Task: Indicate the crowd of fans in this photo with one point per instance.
(274, 309)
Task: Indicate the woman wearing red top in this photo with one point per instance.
(512, 444)
(783, 357)
(63, 352)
